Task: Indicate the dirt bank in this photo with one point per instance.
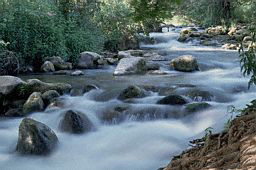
(234, 149)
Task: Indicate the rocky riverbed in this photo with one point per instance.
(132, 110)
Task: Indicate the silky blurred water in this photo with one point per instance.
(143, 144)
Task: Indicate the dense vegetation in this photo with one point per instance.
(218, 12)
(36, 29)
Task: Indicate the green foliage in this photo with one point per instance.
(151, 13)
(217, 12)
(232, 111)
(33, 29)
(115, 20)
(208, 132)
(248, 60)
(207, 12)
(37, 29)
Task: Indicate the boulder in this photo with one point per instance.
(77, 73)
(59, 63)
(173, 100)
(9, 84)
(182, 38)
(81, 91)
(34, 103)
(48, 67)
(134, 65)
(196, 107)
(77, 92)
(89, 60)
(39, 86)
(75, 122)
(35, 138)
(185, 63)
(88, 88)
(50, 96)
(132, 92)
(57, 103)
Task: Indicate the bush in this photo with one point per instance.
(85, 38)
(248, 60)
(37, 29)
(114, 18)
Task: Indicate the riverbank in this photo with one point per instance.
(233, 148)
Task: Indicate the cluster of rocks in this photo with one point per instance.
(36, 138)
(19, 98)
(194, 100)
(141, 62)
(219, 36)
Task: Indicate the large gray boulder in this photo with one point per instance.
(59, 63)
(9, 83)
(48, 67)
(89, 60)
(75, 122)
(186, 63)
(39, 86)
(134, 65)
(35, 138)
(34, 103)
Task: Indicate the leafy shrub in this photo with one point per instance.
(248, 60)
(115, 20)
(37, 29)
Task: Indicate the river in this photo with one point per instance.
(135, 144)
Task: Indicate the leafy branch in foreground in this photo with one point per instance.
(248, 60)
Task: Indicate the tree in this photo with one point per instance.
(151, 13)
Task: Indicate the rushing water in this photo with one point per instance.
(134, 145)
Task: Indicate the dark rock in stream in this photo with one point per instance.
(35, 138)
(82, 91)
(196, 107)
(50, 96)
(173, 100)
(75, 122)
(132, 92)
